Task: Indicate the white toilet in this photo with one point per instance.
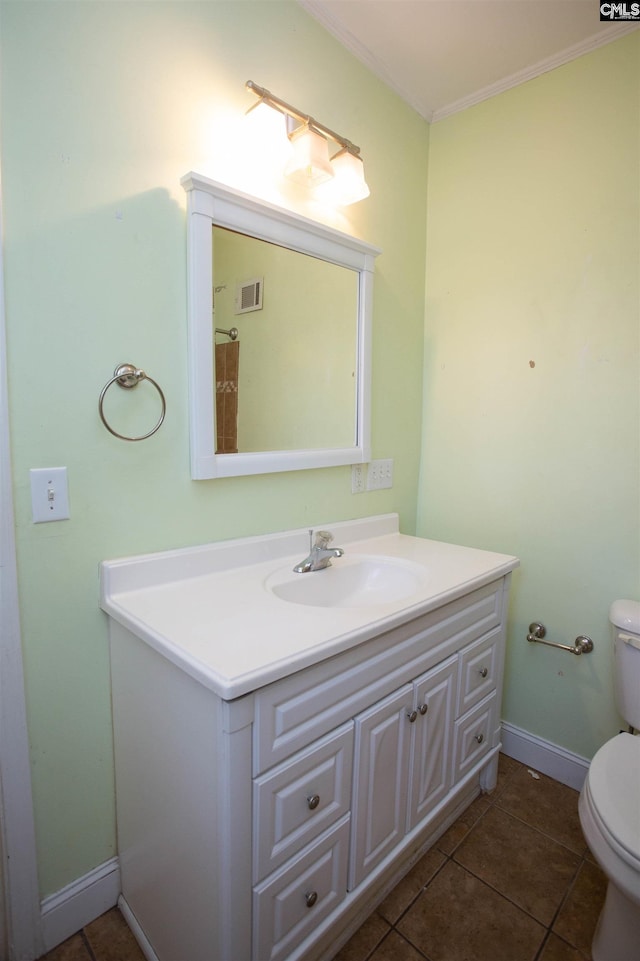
(609, 802)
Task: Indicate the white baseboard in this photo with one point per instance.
(544, 756)
(79, 903)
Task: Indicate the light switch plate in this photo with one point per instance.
(49, 494)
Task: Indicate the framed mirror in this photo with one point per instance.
(279, 319)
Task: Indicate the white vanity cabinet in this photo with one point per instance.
(268, 826)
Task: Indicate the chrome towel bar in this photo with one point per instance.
(582, 644)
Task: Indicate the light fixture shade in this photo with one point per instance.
(309, 163)
(269, 142)
(348, 185)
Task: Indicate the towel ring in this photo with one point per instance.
(128, 376)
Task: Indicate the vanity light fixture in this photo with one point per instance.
(348, 185)
(268, 127)
(310, 163)
(338, 178)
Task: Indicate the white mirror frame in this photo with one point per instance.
(209, 204)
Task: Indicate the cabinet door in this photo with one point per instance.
(430, 763)
(382, 739)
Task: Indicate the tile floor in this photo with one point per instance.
(511, 880)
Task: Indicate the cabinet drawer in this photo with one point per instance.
(300, 799)
(299, 709)
(290, 904)
(474, 735)
(479, 667)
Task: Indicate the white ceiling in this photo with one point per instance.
(444, 55)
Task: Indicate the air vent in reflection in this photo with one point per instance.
(249, 295)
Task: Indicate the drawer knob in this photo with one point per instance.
(423, 709)
(313, 801)
(483, 672)
(310, 898)
(479, 738)
(412, 715)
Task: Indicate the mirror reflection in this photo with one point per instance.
(300, 294)
(289, 378)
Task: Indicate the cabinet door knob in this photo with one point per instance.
(412, 715)
(310, 898)
(479, 738)
(313, 801)
(423, 708)
(483, 672)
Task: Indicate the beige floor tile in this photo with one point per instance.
(365, 940)
(459, 918)
(544, 804)
(407, 890)
(576, 922)
(74, 949)
(520, 862)
(111, 939)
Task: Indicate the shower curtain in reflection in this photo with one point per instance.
(227, 360)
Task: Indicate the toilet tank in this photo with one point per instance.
(625, 624)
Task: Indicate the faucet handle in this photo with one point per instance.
(323, 539)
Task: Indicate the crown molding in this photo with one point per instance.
(615, 32)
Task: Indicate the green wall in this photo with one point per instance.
(104, 107)
(531, 425)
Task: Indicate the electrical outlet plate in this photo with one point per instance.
(49, 494)
(380, 474)
(358, 474)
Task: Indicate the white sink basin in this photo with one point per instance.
(350, 581)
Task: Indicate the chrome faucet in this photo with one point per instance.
(320, 553)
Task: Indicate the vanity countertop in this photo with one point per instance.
(209, 609)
